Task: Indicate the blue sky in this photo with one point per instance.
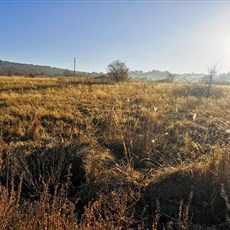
(179, 36)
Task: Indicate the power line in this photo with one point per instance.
(160, 57)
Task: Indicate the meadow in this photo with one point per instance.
(85, 154)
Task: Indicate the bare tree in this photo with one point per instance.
(212, 73)
(118, 71)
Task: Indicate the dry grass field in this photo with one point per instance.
(80, 154)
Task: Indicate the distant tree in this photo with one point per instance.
(171, 78)
(118, 71)
(67, 72)
(212, 73)
(10, 72)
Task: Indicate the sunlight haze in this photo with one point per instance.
(181, 37)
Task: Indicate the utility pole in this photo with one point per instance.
(74, 66)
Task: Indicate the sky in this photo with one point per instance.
(178, 36)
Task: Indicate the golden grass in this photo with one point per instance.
(144, 148)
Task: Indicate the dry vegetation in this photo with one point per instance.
(137, 155)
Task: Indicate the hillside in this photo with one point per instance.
(11, 68)
(131, 155)
(160, 75)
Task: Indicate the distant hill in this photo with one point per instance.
(224, 77)
(10, 68)
(199, 77)
(156, 75)
(151, 75)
